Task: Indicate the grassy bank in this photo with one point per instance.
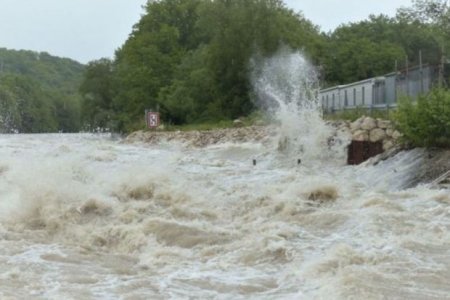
(256, 118)
(354, 114)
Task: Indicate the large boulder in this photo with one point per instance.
(356, 125)
(368, 123)
(377, 134)
(389, 132)
(396, 135)
(360, 136)
(383, 124)
(388, 144)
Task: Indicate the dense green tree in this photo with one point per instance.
(38, 92)
(374, 46)
(238, 30)
(428, 12)
(433, 17)
(97, 93)
(67, 112)
(28, 109)
(147, 61)
(189, 98)
(191, 58)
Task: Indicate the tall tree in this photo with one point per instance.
(191, 57)
(370, 48)
(147, 61)
(433, 15)
(97, 93)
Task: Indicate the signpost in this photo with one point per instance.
(152, 118)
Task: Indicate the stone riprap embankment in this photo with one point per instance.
(363, 129)
(368, 129)
(207, 137)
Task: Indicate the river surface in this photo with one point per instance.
(87, 217)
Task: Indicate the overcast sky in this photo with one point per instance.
(90, 29)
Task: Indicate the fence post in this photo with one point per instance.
(421, 72)
(407, 76)
(441, 68)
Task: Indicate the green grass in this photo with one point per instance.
(254, 118)
(354, 114)
(200, 126)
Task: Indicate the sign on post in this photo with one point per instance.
(152, 119)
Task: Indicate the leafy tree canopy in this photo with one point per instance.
(38, 92)
(190, 59)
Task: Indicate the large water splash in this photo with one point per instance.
(286, 86)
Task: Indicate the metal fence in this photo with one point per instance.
(388, 89)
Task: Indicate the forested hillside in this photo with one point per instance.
(39, 92)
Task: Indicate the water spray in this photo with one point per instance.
(287, 86)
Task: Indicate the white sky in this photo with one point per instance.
(90, 29)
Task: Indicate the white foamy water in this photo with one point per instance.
(86, 217)
(287, 87)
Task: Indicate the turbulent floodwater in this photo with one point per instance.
(86, 217)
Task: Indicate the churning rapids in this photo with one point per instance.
(87, 217)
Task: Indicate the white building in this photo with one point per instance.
(356, 94)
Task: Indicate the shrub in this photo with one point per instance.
(425, 122)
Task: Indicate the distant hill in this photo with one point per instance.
(39, 92)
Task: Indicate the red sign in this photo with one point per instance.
(152, 119)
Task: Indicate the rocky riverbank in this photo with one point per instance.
(207, 137)
(433, 163)
(363, 129)
(368, 129)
